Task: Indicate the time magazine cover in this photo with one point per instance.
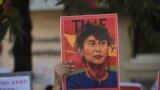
(90, 43)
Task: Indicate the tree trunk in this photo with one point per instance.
(22, 51)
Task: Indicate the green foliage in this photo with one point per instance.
(144, 29)
(73, 7)
(10, 20)
(3, 27)
(15, 23)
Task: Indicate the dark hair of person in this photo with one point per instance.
(98, 31)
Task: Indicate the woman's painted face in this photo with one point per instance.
(94, 51)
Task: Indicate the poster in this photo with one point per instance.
(90, 42)
(16, 81)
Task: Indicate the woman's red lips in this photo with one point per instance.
(98, 56)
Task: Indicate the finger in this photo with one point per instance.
(67, 62)
(66, 65)
(63, 72)
(64, 69)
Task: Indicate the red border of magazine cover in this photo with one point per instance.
(68, 25)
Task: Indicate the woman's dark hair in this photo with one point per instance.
(98, 31)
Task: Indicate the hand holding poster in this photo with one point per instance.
(90, 43)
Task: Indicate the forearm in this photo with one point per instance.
(56, 85)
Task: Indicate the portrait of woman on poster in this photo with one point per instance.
(92, 45)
